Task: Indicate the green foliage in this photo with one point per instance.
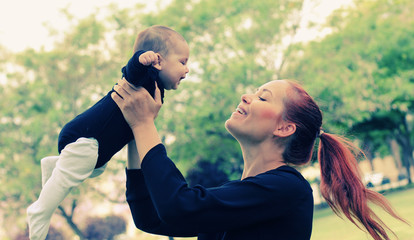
(46, 90)
(229, 55)
(207, 174)
(362, 73)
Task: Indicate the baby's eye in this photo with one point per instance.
(261, 99)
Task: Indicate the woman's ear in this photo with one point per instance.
(157, 64)
(285, 129)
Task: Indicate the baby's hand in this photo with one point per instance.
(149, 58)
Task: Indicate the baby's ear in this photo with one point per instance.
(157, 64)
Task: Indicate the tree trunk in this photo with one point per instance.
(407, 155)
(404, 140)
(367, 148)
(395, 150)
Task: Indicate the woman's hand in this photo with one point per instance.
(136, 104)
(139, 110)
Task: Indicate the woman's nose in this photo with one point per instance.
(246, 98)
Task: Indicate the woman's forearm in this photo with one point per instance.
(133, 157)
(146, 137)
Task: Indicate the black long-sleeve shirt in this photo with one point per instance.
(104, 120)
(275, 205)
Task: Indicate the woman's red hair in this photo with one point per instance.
(343, 190)
(341, 184)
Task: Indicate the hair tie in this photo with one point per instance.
(319, 134)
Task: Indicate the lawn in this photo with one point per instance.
(328, 226)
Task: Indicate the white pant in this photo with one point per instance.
(76, 162)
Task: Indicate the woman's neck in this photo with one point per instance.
(261, 158)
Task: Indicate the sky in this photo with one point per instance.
(22, 22)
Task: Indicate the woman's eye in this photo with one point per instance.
(262, 99)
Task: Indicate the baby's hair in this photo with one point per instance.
(156, 38)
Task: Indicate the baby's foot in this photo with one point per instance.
(48, 164)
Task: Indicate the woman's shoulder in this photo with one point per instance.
(282, 171)
(287, 171)
(284, 177)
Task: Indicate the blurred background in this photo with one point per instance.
(57, 58)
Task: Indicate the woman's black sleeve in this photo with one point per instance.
(185, 211)
(143, 212)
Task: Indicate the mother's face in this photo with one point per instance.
(259, 115)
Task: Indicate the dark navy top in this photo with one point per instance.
(275, 205)
(104, 120)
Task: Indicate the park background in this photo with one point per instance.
(358, 63)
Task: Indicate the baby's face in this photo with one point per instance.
(174, 66)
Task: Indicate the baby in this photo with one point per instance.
(89, 141)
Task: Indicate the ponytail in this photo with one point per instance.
(341, 184)
(342, 187)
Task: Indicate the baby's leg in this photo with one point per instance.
(76, 163)
(47, 165)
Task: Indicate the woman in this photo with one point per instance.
(277, 126)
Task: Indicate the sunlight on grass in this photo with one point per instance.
(328, 226)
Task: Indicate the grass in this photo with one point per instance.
(328, 226)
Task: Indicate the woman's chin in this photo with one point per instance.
(230, 127)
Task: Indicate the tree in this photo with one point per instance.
(45, 89)
(235, 47)
(105, 228)
(362, 73)
(233, 50)
(207, 174)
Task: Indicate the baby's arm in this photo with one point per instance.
(142, 70)
(149, 58)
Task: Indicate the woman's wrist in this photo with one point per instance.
(142, 124)
(143, 128)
